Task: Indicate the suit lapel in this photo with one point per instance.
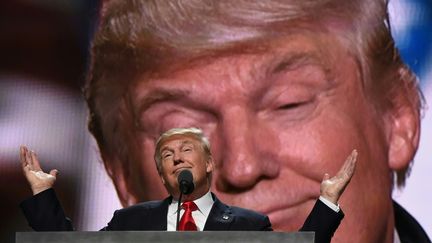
(408, 229)
(220, 217)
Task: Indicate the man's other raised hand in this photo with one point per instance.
(332, 188)
(39, 181)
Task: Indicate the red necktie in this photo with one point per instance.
(187, 223)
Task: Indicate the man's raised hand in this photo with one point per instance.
(332, 188)
(39, 181)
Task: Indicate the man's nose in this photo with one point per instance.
(177, 158)
(247, 152)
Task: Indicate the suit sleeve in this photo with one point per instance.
(323, 221)
(266, 225)
(113, 224)
(44, 212)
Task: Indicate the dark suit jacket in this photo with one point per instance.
(44, 213)
(407, 227)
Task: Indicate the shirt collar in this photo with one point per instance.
(396, 238)
(204, 204)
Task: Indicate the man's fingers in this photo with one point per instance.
(28, 157)
(29, 160)
(349, 164)
(349, 171)
(26, 160)
(35, 161)
(332, 188)
(22, 156)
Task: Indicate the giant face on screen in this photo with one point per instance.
(283, 89)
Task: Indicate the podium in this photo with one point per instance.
(164, 236)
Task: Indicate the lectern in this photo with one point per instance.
(163, 236)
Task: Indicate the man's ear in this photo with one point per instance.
(117, 174)
(162, 179)
(404, 135)
(209, 164)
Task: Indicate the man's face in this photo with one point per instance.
(180, 152)
(277, 121)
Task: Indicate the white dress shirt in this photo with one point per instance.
(329, 204)
(204, 203)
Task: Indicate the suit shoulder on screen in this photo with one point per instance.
(243, 212)
(248, 219)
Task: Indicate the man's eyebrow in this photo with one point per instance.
(166, 148)
(155, 95)
(186, 142)
(291, 61)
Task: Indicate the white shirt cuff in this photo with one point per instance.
(334, 207)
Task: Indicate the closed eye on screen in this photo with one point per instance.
(166, 155)
(291, 105)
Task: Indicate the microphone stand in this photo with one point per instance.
(178, 210)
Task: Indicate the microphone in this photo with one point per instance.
(185, 181)
(186, 185)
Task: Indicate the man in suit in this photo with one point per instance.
(176, 150)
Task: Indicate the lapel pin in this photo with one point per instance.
(225, 217)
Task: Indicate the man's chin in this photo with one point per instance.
(285, 215)
(290, 218)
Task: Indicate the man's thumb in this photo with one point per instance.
(54, 173)
(326, 176)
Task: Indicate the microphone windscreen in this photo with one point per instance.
(185, 176)
(185, 181)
